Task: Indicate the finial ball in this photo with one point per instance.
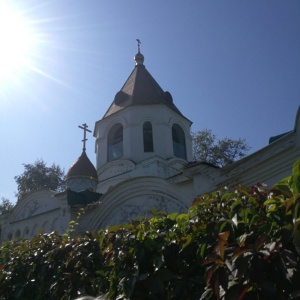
(139, 59)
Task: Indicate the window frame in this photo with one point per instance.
(148, 137)
(115, 142)
(178, 141)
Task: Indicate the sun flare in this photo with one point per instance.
(16, 41)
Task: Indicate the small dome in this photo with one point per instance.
(139, 58)
(120, 97)
(82, 168)
(168, 97)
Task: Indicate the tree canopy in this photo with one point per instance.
(5, 205)
(38, 176)
(219, 152)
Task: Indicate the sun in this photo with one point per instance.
(16, 41)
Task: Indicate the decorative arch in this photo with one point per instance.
(115, 142)
(26, 232)
(45, 227)
(148, 137)
(106, 125)
(18, 234)
(54, 225)
(34, 230)
(178, 139)
(136, 197)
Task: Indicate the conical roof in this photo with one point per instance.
(82, 168)
(140, 89)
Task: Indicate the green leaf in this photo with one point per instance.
(253, 220)
(288, 203)
(235, 204)
(173, 216)
(224, 224)
(201, 250)
(295, 178)
(229, 196)
(270, 201)
(295, 184)
(296, 168)
(284, 186)
(182, 217)
(244, 214)
(188, 240)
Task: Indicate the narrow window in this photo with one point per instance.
(18, 234)
(34, 229)
(178, 138)
(45, 228)
(148, 137)
(115, 142)
(25, 232)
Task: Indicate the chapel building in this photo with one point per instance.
(144, 162)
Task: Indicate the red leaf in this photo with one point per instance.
(223, 242)
(196, 201)
(212, 258)
(244, 292)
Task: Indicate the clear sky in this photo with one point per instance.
(231, 66)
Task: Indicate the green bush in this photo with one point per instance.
(239, 244)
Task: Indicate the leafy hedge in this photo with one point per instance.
(240, 244)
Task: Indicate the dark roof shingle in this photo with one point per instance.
(140, 89)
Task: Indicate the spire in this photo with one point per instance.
(139, 57)
(85, 129)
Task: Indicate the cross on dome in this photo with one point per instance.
(139, 43)
(85, 129)
(139, 57)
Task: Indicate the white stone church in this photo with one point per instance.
(144, 161)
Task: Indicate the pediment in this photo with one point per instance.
(36, 203)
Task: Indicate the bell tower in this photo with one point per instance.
(142, 125)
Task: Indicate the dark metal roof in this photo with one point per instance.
(277, 137)
(82, 168)
(197, 163)
(82, 198)
(140, 89)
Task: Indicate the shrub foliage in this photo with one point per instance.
(239, 244)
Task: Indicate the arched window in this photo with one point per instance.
(25, 232)
(148, 137)
(115, 142)
(34, 229)
(54, 225)
(18, 234)
(178, 139)
(45, 228)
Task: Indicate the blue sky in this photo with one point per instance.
(231, 66)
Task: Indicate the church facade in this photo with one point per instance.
(144, 162)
